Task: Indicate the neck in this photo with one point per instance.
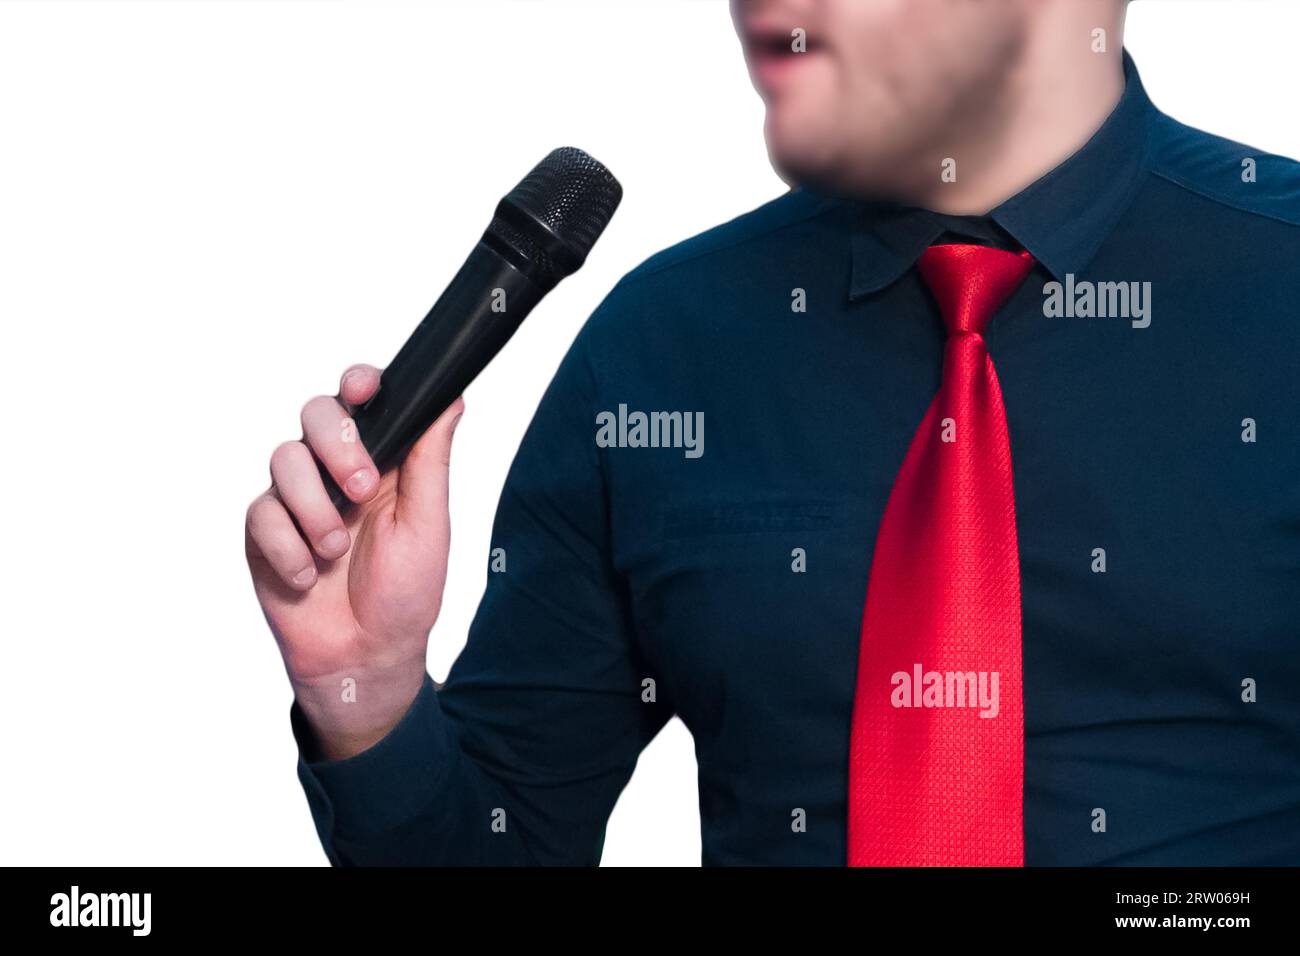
(1057, 94)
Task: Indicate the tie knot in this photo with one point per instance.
(970, 282)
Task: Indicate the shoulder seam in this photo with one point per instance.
(1196, 190)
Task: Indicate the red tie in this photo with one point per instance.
(936, 763)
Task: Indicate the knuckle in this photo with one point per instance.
(315, 406)
(286, 453)
(258, 511)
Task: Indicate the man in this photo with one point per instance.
(1014, 363)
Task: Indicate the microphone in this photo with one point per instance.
(540, 232)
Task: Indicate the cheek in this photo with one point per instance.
(816, 99)
(966, 45)
(903, 55)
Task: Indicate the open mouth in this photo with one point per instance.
(773, 52)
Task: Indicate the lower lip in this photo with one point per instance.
(773, 69)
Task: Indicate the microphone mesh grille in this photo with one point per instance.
(571, 194)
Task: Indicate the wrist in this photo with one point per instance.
(349, 712)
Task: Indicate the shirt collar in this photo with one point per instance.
(1062, 218)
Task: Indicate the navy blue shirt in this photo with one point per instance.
(720, 577)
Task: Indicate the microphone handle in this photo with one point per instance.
(468, 325)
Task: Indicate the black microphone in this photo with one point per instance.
(541, 232)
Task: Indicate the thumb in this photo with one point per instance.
(422, 477)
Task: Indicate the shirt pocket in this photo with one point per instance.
(752, 607)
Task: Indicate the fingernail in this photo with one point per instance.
(351, 378)
(360, 482)
(304, 577)
(336, 542)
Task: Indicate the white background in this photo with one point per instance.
(209, 209)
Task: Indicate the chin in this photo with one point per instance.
(799, 157)
(816, 169)
(833, 166)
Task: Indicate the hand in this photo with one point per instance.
(352, 598)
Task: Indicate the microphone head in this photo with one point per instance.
(556, 213)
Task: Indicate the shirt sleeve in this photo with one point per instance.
(520, 756)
